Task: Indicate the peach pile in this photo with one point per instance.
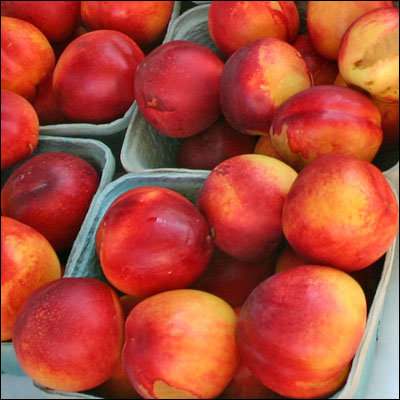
(87, 53)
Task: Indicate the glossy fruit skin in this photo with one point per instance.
(349, 213)
(145, 22)
(55, 19)
(152, 239)
(303, 354)
(27, 262)
(257, 79)
(234, 24)
(57, 340)
(242, 201)
(94, 77)
(327, 22)
(326, 119)
(51, 192)
(23, 44)
(164, 79)
(19, 129)
(180, 343)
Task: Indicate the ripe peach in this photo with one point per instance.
(180, 344)
(322, 70)
(299, 330)
(55, 19)
(234, 24)
(232, 280)
(257, 79)
(93, 80)
(164, 79)
(51, 192)
(369, 54)
(242, 200)
(212, 146)
(27, 262)
(327, 22)
(265, 147)
(326, 119)
(22, 45)
(19, 129)
(341, 212)
(152, 239)
(145, 22)
(69, 334)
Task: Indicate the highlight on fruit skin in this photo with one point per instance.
(340, 212)
(300, 329)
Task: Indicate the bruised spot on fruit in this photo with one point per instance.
(157, 104)
(386, 47)
(164, 391)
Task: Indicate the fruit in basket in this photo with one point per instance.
(232, 280)
(145, 21)
(27, 262)
(369, 54)
(242, 200)
(299, 330)
(180, 344)
(19, 128)
(327, 22)
(177, 88)
(326, 119)
(323, 71)
(341, 212)
(257, 79)
(152, 239)
(212, 146)
(51, 192)
(234, 24)
(22, 45)
(55, 19)
(69, 334)
(94, 77)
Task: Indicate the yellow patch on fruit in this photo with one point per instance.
(164, 391)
